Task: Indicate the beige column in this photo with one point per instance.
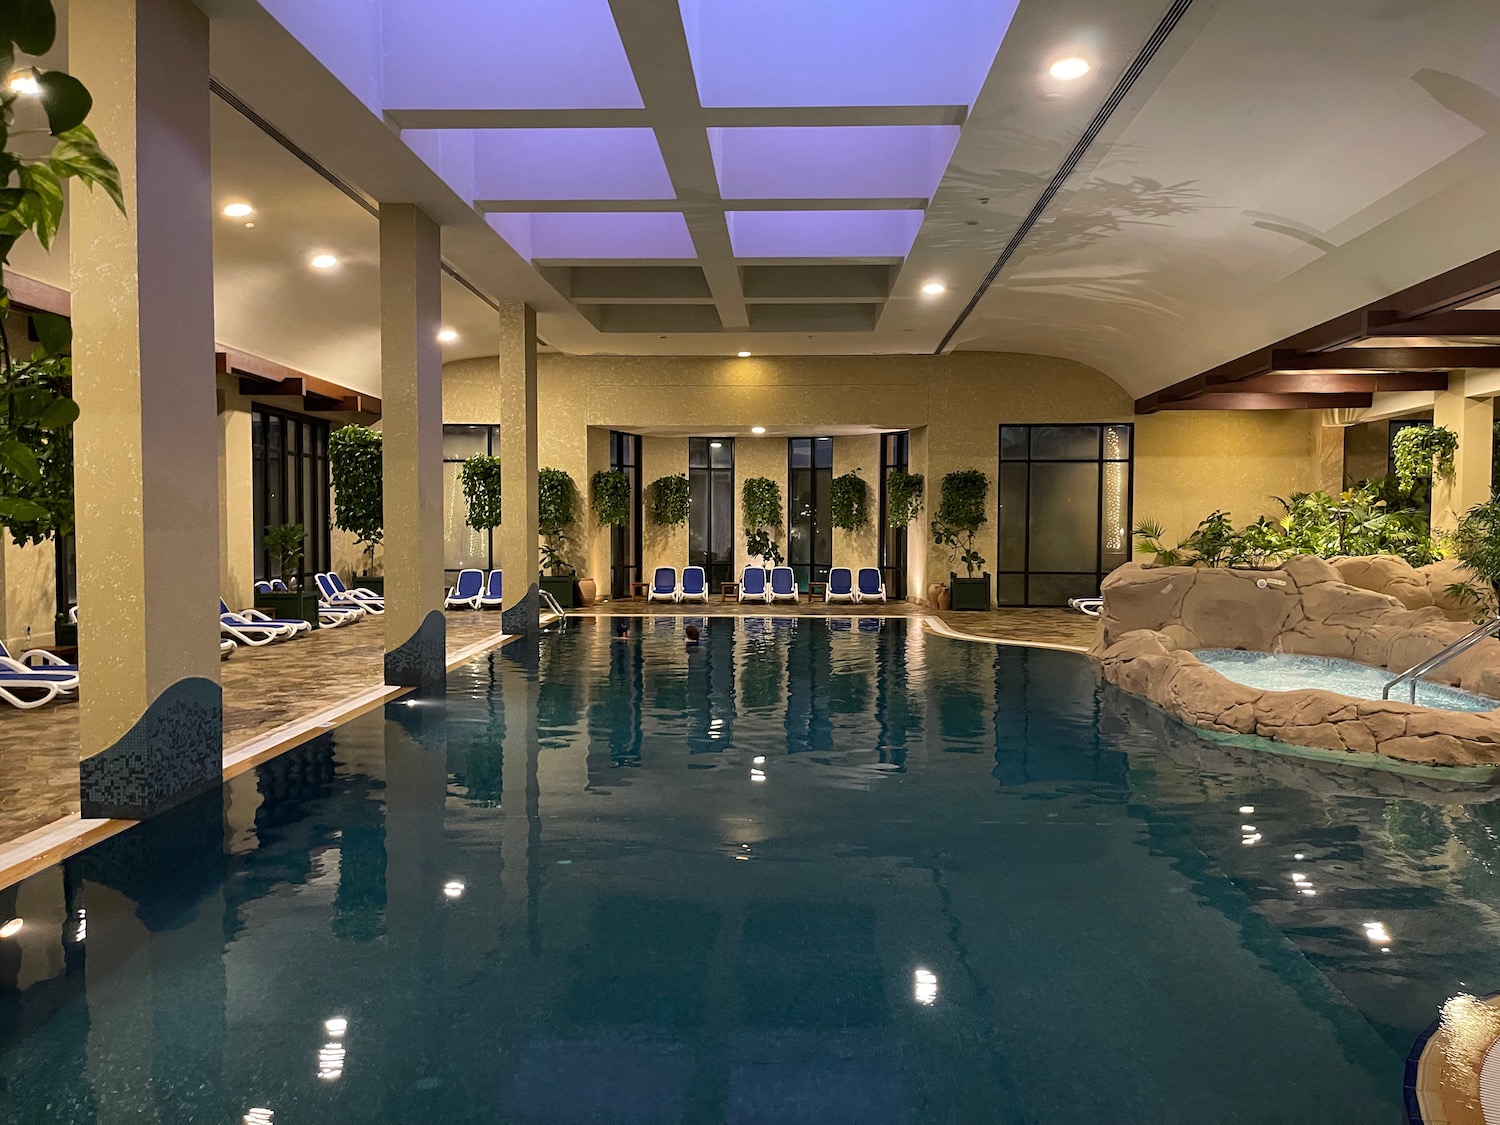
(597, 560)
(519, 556)
(1473, 420)
(411, 382)
(1329, 448)
(918, 537)
(146, 460)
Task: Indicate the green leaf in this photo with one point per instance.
(20, 460)
(41, 210)
(62, 412)
(77, 153)
(15, 510)
(30, 24)
(65, 99)
(53, 332)
(27, 403)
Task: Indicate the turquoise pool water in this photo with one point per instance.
(966, 884)
(1276, 671)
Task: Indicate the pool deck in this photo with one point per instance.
(269, 706)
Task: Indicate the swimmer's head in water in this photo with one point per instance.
(622, 629)
(691, 632)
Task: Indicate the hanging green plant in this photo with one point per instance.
(36, 437)
(670, 498)
(960, 515)
(849, 502)
(760, 503)
(355, 466)
(903, 497)
(611, 498)
(480, 477)
(555, 501)
(1423, 451)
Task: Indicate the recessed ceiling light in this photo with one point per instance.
(934, 289)
(249, 226)
(743, 355)
(446, 335)
(1069, 68)
(716, 445)
(757, 429)
(324, 262)
(24, 83)
(238, 210)
(11, 928)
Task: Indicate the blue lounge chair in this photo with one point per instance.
(253, 633)
(753, 585)
(263, 587)
(694, 585)
(871, 588)
(664, 586)
(492, 588)
(783, 585)
(467, 591)
(39, 660)
(25, 687)
(840, 585)
(363, 594)
(336, 594)
(260, 617)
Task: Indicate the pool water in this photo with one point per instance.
(1275, 671)
(807, 871)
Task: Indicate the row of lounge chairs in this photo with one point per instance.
(474, 590)
(693, 586)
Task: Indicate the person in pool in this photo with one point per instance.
(622, 631)
(692, 635)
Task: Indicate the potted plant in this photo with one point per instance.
(959, 517)
(670, 500)
(355, 464)
(611, 498)
(760, 503)
(284, 543)
(849, 502)
(1423, 451)
(556, 511)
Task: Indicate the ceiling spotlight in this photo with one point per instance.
(716, 445)
(11, 928)
(238, 210)
(757, 429)
(324, 262)
(23, 83)
(934, 289)
(446, 335)
(743, 355)
(1068, 69)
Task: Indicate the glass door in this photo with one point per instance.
(711, 512)
(809, 514)
(895, 456)
(625, 539)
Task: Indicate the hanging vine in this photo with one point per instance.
(670, 499)
(1423, 451)
(849, 502)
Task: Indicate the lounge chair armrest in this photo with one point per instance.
(42, 656)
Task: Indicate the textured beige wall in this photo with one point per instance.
(30, 594)
(661, 546)
(855, 549)
(1190, 462)
(763, 456)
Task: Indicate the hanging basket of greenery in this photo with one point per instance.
(1423, 451)
(670, 498)
(555, 502)
(611, 498)
(849, 502)
(959, 517)
(355, 456)
(480, 477)
(760, 503)
(903, 497)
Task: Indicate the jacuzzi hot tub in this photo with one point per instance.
(1271, 671)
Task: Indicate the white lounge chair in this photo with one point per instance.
(840, 586)
(871, 588)
(25, 687)
(494, 585)
(664, 587)
(363, 594)
(247, 632)
(296, 624)
(39, 659)
(336, 594)
(226, 648)
(694, 585)
(783, 585)
(1091, 606)
(335, 616)
(753, 586)
(467, 591)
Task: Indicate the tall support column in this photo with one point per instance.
(1328, 447)
(411, 381)
(146, 446)
(1473, 420)
(518, 467)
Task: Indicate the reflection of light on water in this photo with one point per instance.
(1377, 933)
(759, 760)
(757, 775)
(1303, 883)
(1246, 810)
(259, 1115)
(1469, 1027)
(453, 888)
(331, 1055)
(83, 925)
(924, 987)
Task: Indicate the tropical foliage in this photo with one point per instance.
(849, 502)
(611, 498)
(36, 407)
(760, 503)
(960, 515)
(670, 499)
(355, 465)
(1423, 451)
(480, 477)
(903, 497)
(556, 508)
(1476, 542)
(284, 543)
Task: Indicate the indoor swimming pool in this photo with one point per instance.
(1278, 671)
(810, 870)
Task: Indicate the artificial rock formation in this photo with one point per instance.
(1414, 587)
(1154, 617)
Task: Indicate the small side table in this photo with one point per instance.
(639, 589)
(816, 588)
(726, 589)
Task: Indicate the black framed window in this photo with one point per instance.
(625, 540)
(289, 455)
(1065, 510)
(464, 548)
(895, 455)
(66, 548)
(711, 513)
(809, 515)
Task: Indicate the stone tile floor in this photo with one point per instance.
(263, 689)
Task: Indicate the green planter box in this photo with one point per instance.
(560, 586)
(970, 593)
(302, 605)
(374, 583)
(65, 633)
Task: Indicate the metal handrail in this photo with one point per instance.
(1437, 659)
(554, 605)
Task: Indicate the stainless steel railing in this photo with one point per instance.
(1438, 659)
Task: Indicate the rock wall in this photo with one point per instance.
(1154, 617)
(1413, 587)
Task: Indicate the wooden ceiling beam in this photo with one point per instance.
(264, 378)
(1323, 383)
(1437, 358)
(1458, 322)
(1239, 400)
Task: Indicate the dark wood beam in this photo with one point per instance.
(266, 379)
(1322, 383)
(37, 296)
(1237, 400)
(1458, 322)
(1437, 358)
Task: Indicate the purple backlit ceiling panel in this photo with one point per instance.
(502, 54)
(843, 52)
(567, 164)
(833, 162)
(822, 234)
(595, 234)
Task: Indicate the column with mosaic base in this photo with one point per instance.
(146, 446)
(411, 374)
(518, 467)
